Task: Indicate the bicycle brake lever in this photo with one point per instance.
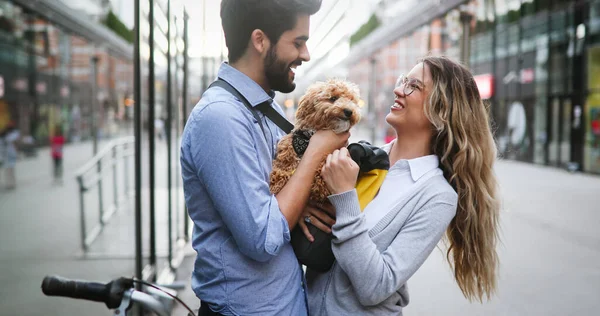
(125, 303)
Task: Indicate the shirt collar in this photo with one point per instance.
(422, 165)
(244, 85)
(418, 166)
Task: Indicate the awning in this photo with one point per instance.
(73, 22)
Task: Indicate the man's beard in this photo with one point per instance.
(277, 72)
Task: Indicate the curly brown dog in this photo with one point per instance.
(325, 105)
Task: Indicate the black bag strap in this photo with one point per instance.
(229, 88)
(265, 108)
(275, 117)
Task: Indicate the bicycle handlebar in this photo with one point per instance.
(110, 293)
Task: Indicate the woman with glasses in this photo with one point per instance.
(440, 181)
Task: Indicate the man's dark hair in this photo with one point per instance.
(241, 17)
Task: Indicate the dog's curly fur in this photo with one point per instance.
(325, 105)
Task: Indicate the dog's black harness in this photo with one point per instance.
(300, 140)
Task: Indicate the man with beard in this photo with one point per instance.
(245, 264)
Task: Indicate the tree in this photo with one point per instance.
(116, 25)
(365, 29)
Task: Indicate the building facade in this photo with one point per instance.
(409, 30)
(539, 62)
(536, 63)
(47, 67)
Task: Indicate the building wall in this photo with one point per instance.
(537, 64)
(541, 57)
(47, 72)
(394, 59)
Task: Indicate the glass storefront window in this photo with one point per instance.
(542, 5)
(558, 25)
(501, 42)
(592, 139)
(592, 113)
(595, 17)
(513, 39)
(501, 12)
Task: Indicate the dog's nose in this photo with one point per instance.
(348, 113)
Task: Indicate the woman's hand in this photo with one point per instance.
(340, 171)
(320, 215)
(324, 142)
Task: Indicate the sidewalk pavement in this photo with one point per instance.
(40, 234)
(550, 241)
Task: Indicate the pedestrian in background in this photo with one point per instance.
(245, 264)
(57, 142)
(9, 138)
(441, 179)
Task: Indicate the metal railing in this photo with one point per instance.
(92, 175)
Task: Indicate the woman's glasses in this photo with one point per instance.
(409, 85)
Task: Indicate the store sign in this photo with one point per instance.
(485, 84)
(1, 87)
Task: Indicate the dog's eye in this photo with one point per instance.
(333, 99)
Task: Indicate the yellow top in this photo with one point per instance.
(368, 185)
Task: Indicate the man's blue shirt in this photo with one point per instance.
(245, 264)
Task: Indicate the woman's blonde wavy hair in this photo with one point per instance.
(464, 142)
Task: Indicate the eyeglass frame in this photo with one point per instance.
(403, 77)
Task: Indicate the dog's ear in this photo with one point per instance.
(306, 106)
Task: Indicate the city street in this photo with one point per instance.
(549, 255)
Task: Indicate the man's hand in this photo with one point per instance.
(324, 142)
(322, 216)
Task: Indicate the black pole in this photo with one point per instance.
(137, 107)
(579, 89)
(177, 126)
(33, 106)
(151, 131)
(184, 104)
(168, 134)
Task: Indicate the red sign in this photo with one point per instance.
(485, 84)
(527, 75)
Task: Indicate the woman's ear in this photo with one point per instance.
(260, 42)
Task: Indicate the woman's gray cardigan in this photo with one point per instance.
(372, 266)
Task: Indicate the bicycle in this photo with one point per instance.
(118, 295)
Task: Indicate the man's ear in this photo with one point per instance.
(260, 41)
